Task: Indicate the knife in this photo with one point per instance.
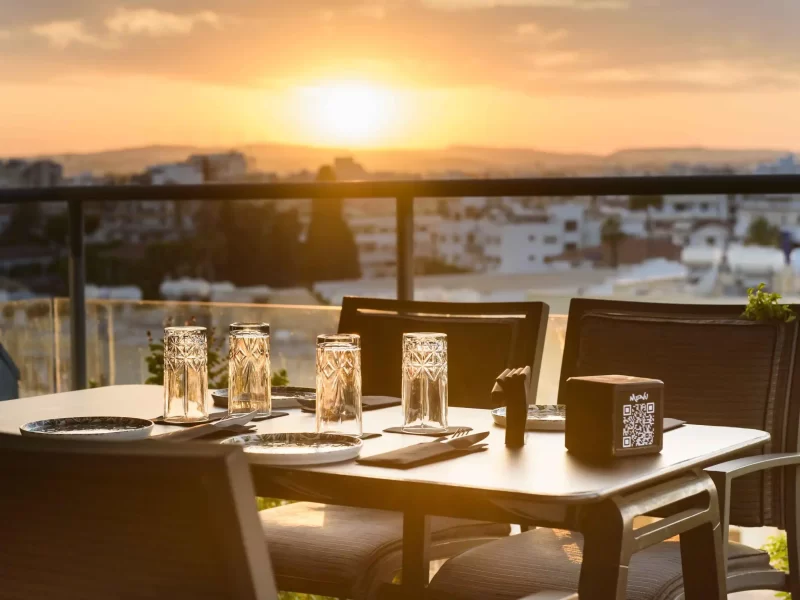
(467, 440)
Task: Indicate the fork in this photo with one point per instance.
(461, 431)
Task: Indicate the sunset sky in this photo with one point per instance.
(563, 75)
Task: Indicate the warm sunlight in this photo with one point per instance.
(354, 113)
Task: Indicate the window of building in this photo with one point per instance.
(456, 238)
(711, 241)
(570, 246)
(704, 206)
(570, 225)
(531, 258)
(679, 207)
(550, 239)
(531, 238)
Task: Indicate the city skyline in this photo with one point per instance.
(559, 75)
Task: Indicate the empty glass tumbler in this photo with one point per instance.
(249, 374)
(424, 382)
(339, 384)
(185, 374)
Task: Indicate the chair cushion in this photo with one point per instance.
(321, 548)
(544, 559)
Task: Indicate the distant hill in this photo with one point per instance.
(475, 160)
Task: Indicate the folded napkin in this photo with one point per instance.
(448, 431)
(418, 454)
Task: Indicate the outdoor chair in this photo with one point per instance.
(718, 369)
(349, 552)
(129, 520)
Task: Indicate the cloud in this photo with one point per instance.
(533, 31)
(553, 60)
(62, 34)
(155, 23)
(565, 4)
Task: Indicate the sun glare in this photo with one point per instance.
(349, 112)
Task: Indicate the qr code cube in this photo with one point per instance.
(638, 425)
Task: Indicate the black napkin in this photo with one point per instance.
(448, 431)
(670, 424)
(418, 454)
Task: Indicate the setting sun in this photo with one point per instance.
(348, 112)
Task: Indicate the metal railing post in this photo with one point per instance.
(404, 211)
(77, 296)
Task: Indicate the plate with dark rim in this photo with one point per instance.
(289, 449)
(90, 428)
(541, 417)
(282, 397)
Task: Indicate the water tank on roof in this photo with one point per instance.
(701, 256)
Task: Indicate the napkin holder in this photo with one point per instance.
(511, 390)
(612, 416)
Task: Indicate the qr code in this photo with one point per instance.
(638, 424)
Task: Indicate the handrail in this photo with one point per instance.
(403, 192)
(422, 188)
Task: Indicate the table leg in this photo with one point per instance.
(701, 561)
(604, 572)
(416, 558)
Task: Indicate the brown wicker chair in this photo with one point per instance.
(128, 520)
(347, 552)
(718, 369)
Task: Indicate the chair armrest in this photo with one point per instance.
(751, 464)
(724, 473)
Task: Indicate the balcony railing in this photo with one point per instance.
(403, 193)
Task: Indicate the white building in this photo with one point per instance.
(227, 166)
(176, 174)
(376, 238)
(513, 235)
(678, 215)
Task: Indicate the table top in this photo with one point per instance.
(541, 471)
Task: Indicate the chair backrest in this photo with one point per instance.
(129, 520)
(482, 341)
(717, 367)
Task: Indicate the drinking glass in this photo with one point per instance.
(249, 375)
(424, 382)
(339, 384)
(185, 374)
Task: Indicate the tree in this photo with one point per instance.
(25, 226)
(761, 233)
(644, 202)
(611, 233)
(330, 250)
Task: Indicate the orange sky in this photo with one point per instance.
(564, 75)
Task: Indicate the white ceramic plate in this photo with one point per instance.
(91, 428)
(541, 417)
(289, 449)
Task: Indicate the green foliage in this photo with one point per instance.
(611, 233)
(330, 252)
(779, 557)
(761, 233)
(217, 361)
(280, 378)
(93, 383)
(765, 306)
(643, 202)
